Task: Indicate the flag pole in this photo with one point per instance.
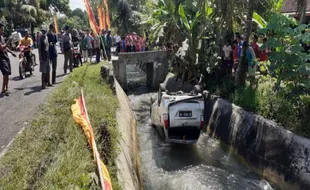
(94, 146)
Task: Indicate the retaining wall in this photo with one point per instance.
(128, 161)
(281, 156)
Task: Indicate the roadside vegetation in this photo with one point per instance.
(52, 152)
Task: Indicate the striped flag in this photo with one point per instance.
(107, 14)
(80, 116)
(101, 17)
(92, 21)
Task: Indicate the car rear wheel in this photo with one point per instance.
(161, 132)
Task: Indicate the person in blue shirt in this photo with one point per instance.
(240, 44)
(251, 61)
(123, 44)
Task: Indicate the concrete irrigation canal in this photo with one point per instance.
(206, 165)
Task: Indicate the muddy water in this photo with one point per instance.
(204, 166)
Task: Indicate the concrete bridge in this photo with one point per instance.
(153, 63)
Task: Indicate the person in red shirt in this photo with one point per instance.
(137, 44)
(255, 46)
(264, 53)
(235, 56)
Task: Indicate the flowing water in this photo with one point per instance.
(165, 166)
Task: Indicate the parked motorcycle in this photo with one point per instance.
(24, 64)
(76, 56)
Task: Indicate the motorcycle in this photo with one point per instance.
(24, 64)
(76, 56)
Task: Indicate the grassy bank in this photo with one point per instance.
(52, 152)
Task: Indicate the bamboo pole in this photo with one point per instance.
(95, 146)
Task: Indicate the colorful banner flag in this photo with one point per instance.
(56, 25)
(92, 21)
(107, 14)
(101, 17)
(80, 116)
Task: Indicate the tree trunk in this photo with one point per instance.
(302, 6)
(229, 20)
(249, 19)
(241, 70)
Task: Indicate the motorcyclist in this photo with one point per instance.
(28, 43)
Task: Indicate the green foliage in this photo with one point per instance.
(77, 19)
(275, 106)
(36, 12)
(288, 60)
(259, 20)
(62, 5)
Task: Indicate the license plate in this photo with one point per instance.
(185, 114)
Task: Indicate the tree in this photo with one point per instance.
(77, 19)
(301, 9)
(82, 15)
(288, 58)
(17, 13)
(62, 5)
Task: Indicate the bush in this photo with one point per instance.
(273, 105)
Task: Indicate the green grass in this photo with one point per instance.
(52, 152)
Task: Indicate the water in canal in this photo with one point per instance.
(204, 166)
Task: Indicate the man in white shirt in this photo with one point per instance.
(118, 41)
(227, 58)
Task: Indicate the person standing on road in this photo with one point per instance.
(118, 41)
(67, 49)
(102, 44)
(109, 44)
(83, 46)
(5, 65)
(89, 39)
(52, 40)
(97, 48)
(44, 62)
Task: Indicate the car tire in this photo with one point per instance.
(21, 71)
(160, 132)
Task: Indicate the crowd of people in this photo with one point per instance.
(132, 43)
(232, 51)
(89, 45)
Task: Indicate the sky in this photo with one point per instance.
(77, 4)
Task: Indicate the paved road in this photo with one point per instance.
(24, 100)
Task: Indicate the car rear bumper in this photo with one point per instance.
(182, 141)
(183, 135)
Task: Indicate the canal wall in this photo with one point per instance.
(128, 161)
(282, 157)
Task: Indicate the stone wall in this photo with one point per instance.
(281, 156)
(128, 161)
(153, 63)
